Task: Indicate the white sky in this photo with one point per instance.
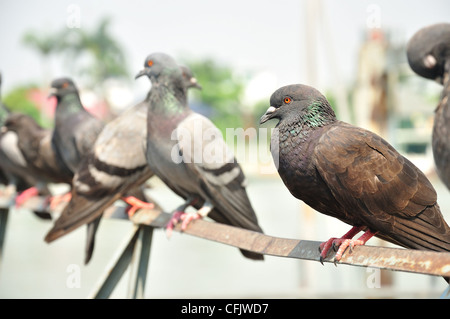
(249, 35)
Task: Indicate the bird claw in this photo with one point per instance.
(136, 204)
(187, 218)
(178, 216)
(26, 195)
(324, 248)
(174, 220)
(321, 260)
(334, 246)
(56, 200)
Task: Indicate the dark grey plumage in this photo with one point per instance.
(180, 154)
(34, 143)
(75, 129)
(116, 166)
(352, 174)
(428, 54)
(13, 166)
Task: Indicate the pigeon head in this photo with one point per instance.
(158, 65)
(16, 121)
(428, 51)
(62, 86)
(299, 102)
(189, 79)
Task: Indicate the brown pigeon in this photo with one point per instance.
(352, 174)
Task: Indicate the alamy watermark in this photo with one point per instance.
(204, 145)
(73, 20)
(373, 278)
(373, 20)
(73, 280)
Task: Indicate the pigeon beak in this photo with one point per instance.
(268, 115)
(141, 73)
(429, 61)
(195, 83)
(52, 92)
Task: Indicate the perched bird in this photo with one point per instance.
(4, 112)
(34, 143)
(75, 129)
(116, 165)
(13, 165)
(74, 132)
(352, 174)
(187, 152)
(14, 173)
(428, 53)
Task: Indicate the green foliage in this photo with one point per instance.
(106, 58)
(18, 100)
(44, 43)
(222, 91)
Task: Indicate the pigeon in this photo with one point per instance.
(75, 129)
(187, 152)
(13, 166)
(4, 112)
(428, 53)
(34, 143)
(351, 174)
(116, 165)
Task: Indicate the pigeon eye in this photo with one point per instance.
(65, 85)
(287, 100)
(150, 63)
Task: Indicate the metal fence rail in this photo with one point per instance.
(423, 262)
(135, 250)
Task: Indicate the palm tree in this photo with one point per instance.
(45, 44)
(105, 55)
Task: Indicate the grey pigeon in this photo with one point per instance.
(428, 54)
(75, 129)
(187, 152)
(116, 165)
(352, 174)
(14, 169)
(34, 143)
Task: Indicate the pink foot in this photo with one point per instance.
(334, 242)
(176, 217)
(26, 195)
(187, 218)
(57, 199)
(136, 204)
(343, 243)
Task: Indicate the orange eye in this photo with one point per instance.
(150, 63)
(65, 84)
(287, 100)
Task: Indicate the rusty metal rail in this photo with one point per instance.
(422, 262)
(139, 242)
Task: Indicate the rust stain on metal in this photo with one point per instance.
(426, 262)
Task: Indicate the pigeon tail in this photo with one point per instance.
(90, 239)
(420, 233)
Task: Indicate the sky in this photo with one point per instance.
(267, 40)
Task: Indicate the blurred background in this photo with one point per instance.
(240, 52)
